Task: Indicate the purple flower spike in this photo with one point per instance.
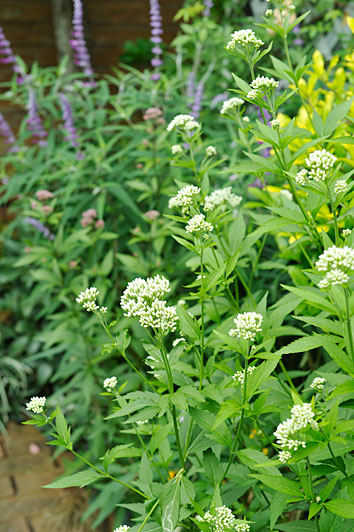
(79, 46)
(208, 4)
(34, 121)
(198, 99)
(8, 57)
(6, 131)
(40, 227)
(71, 133)
(156, 30)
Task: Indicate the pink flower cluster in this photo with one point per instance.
(88, 218)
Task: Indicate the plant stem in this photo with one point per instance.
(107, 475)
(284, 370)
(348, 321)
(148, 454)
(232, 453)
(173, 408)
(148, 515)
(336, 231)
(123, 354)
(312, 492)
(202, 341)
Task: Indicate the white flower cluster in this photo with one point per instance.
(284, 456)
(337, 263)
(242, 527)
(243, 39)
(301, 416)
(184, 198)
(320, 163)
(346, 232)
(177, 149)
(110, 383)
(159, 316)
(87, 299)
(286, 194)
(340, 186)
(222, 519)
(240, 375)
(275, 124)
(219, 197)
(142, 299)
(122, 528)
(262, 85)
(198, 224)
(210, 151)
(183, 122)
(247, 325)
(36, 404)
(318, 383)
(230, 105)
(300, 177)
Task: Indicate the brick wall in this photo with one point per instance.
(28, 25)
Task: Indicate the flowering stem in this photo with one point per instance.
(202, 341)
(123, 354)
(148, 454)
(104, 474)
(173, 408)
(348, 322)
(312, 492)
(333, 210)
(148, 515)
(286, 47)
(284, 370)
(239, 428)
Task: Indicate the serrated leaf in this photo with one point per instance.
(341, 507)
(81, 479)
(282, 484)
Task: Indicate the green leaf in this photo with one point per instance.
(341, 507)
(260, 374)
(336, 115)
(282, 484)
(170, 505)
(187, 324)
(297, 526)
(277, 505)
(84, 478)
(62, 427)
(145, 475)
(212, 468)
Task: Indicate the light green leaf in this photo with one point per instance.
(341, 507)
(77, 479)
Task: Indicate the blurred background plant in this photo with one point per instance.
(87, 180)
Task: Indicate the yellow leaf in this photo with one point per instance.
(318, 62)
(350, 22)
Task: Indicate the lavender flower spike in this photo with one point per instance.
(69, 127)
(156, 31)
(208, 5)
(8, 57)
(6, 131)
(78, 44)
(198, 99)
(40, 227)
(34, 121)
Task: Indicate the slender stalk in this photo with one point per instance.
(134, 368)
(148, 454)
(107, 475)
(188, 437)
(284, 370)
(173, 408)
(312, 492)
(348, 322)
(288, 58)
(233, 449)
(333, 210)
(148, 515)
(202, 341)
